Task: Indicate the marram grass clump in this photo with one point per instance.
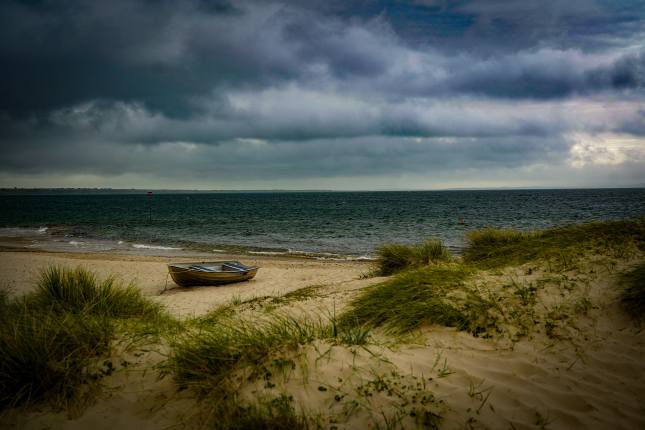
(79, 291)
(491, 248)
(414, 298)
(54, 340)
(215, 356)
(48, 355)
(392, 258)
(205, 359)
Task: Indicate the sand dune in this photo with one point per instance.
(590, 374)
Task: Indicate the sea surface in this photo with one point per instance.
(321, 224)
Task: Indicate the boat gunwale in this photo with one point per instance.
(187, 266)
(184, 275)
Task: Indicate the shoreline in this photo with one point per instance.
(40, 241)
(278, 275)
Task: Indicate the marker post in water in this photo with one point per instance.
(149, 206)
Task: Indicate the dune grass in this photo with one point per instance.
(79, 291)
(205, 360)
(393, 258)
(49, 355)
(431, 295)
(52, 340)
(217, 356)
(440, 293)
(633, 295)
(493, 248)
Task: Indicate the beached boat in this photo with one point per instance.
(210, 272)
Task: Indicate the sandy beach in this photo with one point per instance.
(591, 376)
(20, 271)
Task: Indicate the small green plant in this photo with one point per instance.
(526, 293)
(444, 370)
(355, 335)
(236, 300)
(480, 393)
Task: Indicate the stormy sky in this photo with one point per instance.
(366, 94)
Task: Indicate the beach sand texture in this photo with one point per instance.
(590, 376)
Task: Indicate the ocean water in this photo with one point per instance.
(326, 224)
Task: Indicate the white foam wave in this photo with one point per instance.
(20, 232)
(142, 246)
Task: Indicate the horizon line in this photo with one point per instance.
(290, 190)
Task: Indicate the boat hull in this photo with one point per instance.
(184, 276)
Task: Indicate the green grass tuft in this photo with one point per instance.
(214, 358)
(411, 299)
(79, 291)
(205, 359)
(633, 296)
(47, 355)
(51, 340)
(493, 248)
(393, 258)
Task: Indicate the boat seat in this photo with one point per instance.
(202, 268)
(236, 266)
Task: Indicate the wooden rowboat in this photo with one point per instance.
(210, 272)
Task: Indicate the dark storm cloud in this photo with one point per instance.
(164, 53)
(159, 53)
(547, 74)
(494, 26)
(109, 82)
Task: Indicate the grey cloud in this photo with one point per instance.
(165, 56)
(324, 158)
(634, 125)
(312, 88)
(629, 72)
(294, 114)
